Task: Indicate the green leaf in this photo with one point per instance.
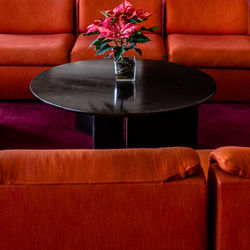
(152, 29)
(102, 44)
(113, 20)
(91, 33)
(140, 39)
(138, 51)
(103, 13)
(97, 42)
(105, 48)
(107, 56)
(118, 52)
(132, 21)
(131, 46)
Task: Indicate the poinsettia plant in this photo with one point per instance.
(119, 31)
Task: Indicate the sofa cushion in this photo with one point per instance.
(97, 166)
(90, 11)
(35, 49)
(37, 17)
(209, 51)
(155, 49)
(234, 160)
(15, 81)
(207, 16)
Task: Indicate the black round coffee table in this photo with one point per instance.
(160, 108)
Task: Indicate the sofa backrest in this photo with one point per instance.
(97, 166)
(36, 16)
(89, 11)
(207, 16)
(102, 199)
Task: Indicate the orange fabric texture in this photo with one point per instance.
(155, 216)
(35, 49)
(204, 158)
(207, 16)
(89, 11)
(209, 51)
(97, 166)
(15, 81)
(37, 17)
(231, 84)
(155, 49)
(231, 201)
(234, 160)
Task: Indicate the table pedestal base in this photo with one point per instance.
(175, 128)
(107, 132)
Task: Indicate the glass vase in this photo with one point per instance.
(125, 69)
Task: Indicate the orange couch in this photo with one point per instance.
(212, 36)
(34, 36)
(102, 199)
(209, 35)
(125, 199)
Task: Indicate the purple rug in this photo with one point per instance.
(32, 125)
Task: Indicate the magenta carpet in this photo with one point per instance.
(33, 125)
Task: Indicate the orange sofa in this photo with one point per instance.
(102, 199)
(34, 36)
(212, 36)
(209, 35)
(125, 199)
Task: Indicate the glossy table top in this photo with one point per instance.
(90, 87)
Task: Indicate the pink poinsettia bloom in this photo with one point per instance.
(125, 7)
(116, 30)
(109, 12)
(94, 27)
(128, 29)
(128, 12)
(142, 14)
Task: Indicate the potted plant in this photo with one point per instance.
(118, 32)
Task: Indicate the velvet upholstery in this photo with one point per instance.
(229, 204)
(36, 17)
(89, 11)
(97, 166)
(34, 35)
(225, 58)
(155, 49)
(35, 49)
(87, 215)
(209, 51)
(233, 160)
(15, 81)
(207, 17)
